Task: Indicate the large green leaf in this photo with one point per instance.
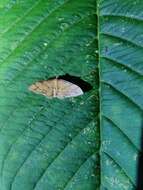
(121, 70)
(52, 144)
(47, 143)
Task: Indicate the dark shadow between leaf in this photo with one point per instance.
(85, 86)
(140, 166)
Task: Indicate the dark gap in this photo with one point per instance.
(140, 166)
(85, 86)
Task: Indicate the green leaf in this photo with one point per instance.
(83, 143)
(121, 82)
(47, 143)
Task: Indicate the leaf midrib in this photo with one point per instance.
(99, 86)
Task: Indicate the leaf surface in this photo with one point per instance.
(82, 143)
(47, 143)
(121, 82)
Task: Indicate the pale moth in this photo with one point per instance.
(57, 88)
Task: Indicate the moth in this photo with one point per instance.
(58, 88)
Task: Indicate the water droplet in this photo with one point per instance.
(77, 16)
(118, 153)
(105, 144)
(98, 4)
(88, 44)
(125, 70)
(92, 175)
(81, 103)
(117, 44)
(45, 44)
(135, 157)
(63, 26)
(108, 162)
(88, 56)
(134, 3)
(60, 19)
(123, 29)
(45, 67)
(140, 42)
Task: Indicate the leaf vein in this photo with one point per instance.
(34, 29)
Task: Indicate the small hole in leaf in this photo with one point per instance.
(61, 87)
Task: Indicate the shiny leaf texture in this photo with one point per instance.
(47, 144)
(121, 84)
(88, 142)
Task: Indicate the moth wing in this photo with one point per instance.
(68, 89)
(43, 87)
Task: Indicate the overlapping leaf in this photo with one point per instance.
(121, 74)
